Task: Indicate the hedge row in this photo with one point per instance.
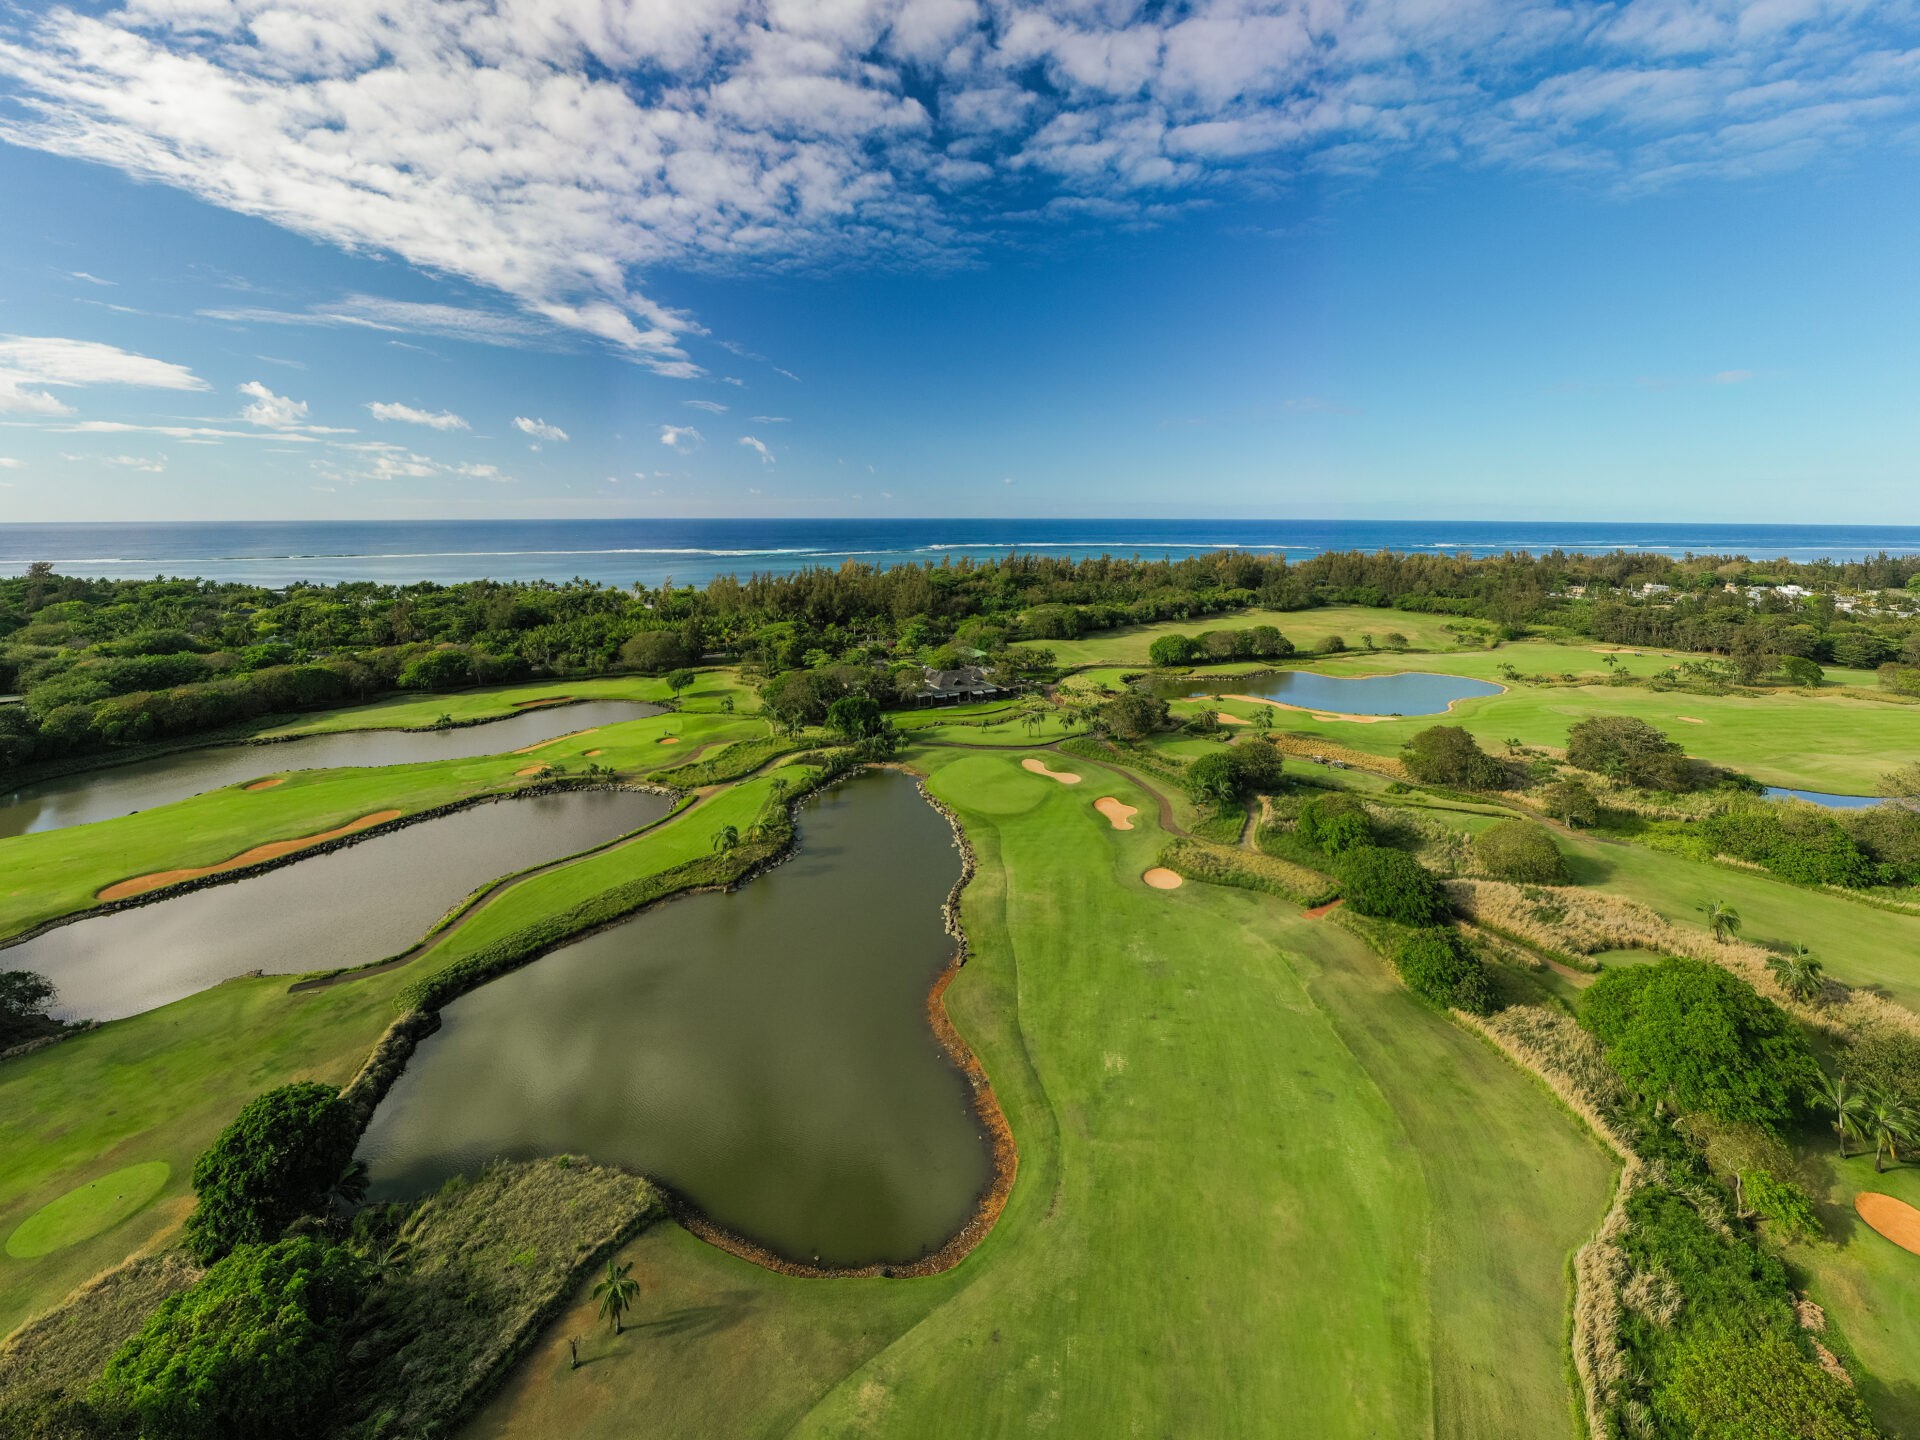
(1221, 865)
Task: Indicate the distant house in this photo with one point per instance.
(957, 687)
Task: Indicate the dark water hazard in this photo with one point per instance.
(1821, 797)
(1410, 693)
(345, 907)
(766, 1053)
(123, 789)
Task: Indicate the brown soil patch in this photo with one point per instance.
(1319, 910)
(572, 735)
(1118, 815)
(1689, 719)
(141, 884)
(532, 770)
(1161, 878)
(1316, 714)
(1895, 1219)
(267, 784)
(543, 700)
(1039, 767)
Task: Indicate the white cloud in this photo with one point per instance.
(275, 412)
(7, 462)
(433, 419)
(31, 365)
(90, 279)
(180, 432)
(402, 317)
(788, 373)
(1732, 377)
(771, 420)
(758, 446)
(539, 429)
(147, 464)
(680, 437)
(712, 407)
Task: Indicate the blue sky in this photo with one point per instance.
(412, 258)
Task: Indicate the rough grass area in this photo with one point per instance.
(1250, 870)
(484, 1265)
(68, 1348)
(742, 757)
(1307, 629)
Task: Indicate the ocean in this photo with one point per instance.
(623, 552)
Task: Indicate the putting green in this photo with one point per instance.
(83, 1213)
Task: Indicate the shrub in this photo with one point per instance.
(1889, 835)
(854, 716)
(1571, 801)
(1801, 671)
(277, 1161)
(656, 651)
(1448, 755)
(1798, 841)
(1390, 885)
(25, 999)
(1521, 852)
(1629, 749)
(1437, 966)
(253, 1349)
(449, 668)
(1689, 1031)
(1228, 776)
(1335, 824)
(1783, 1204)
(1729, 1386)
(1173, 650)
(1222, 865)
(1135, 715)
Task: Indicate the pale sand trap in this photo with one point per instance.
(140, 884)
(1689, 719)
(663, 740)
(1895, 1219)
(532, 770)
(575, 735)
(1162, 879)
(1316, 714)
(1119, 816)
(1226, 719)
(543, 700)
(1039, 767)
(591, 753)
(267, 784)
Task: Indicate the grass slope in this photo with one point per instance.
(1256, 1179)
(1307, 629)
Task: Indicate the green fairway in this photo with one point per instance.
(87, 1210)
(1307, 629)
(492, 702)
(1256, 1178)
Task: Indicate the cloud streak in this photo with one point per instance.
(31, 366)
(406, 414)
(539, 429)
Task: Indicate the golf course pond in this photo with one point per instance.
(1411, 692)
(119, 790)
(766, 1053)
(350, 906)
(1822, 797)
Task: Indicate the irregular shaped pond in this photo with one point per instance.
(345, 907)
(1821, 797)
(1412, 692)
(765, 1053)
(122, 789)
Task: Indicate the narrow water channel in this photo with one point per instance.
(766, 1053)
(345, 907)
(122, 789)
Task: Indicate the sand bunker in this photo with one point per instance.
(590, 754)
(1895, 1219)
(267, 784)
(141, 884)
(1316, 714)
(1225, 719)
(1119, 816)
(1161, 878)
(1318, 911)
(663, 740)
(543, 700)
(532, 770)
(1039, 767)
(571, 735)
(1689, 719)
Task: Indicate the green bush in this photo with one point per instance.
(1795, 841)
(1221, 865)
(1521, 852)
(1173, 650)
(1334, 823)
(253, 1349)
(1438, 966)
(1729, 1386)
(1631, 750)
(1688, 1031)
(1448, 755)
(1390, 885)
(1784, 1204)
(277, 1161)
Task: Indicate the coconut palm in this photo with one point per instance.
(1722, 919)
(1886, 1120)
(1799, 973)
(1033, 715)
(726, 837)
(616, 1292)
(1847, 1104)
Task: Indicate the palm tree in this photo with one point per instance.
(1849, 1106)
(1886, 1121)
(1033, 715)
(726, 837)
(1722, 919)
(1800, 974)
(349, 1188)
(1263, 718)
(616, 1292)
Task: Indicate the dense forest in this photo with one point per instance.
(103, 663)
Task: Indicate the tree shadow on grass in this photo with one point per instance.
(697, 1322)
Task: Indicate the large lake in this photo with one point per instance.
(1412, 692)
(350, 906)
(122, 789)
(766, 1053)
